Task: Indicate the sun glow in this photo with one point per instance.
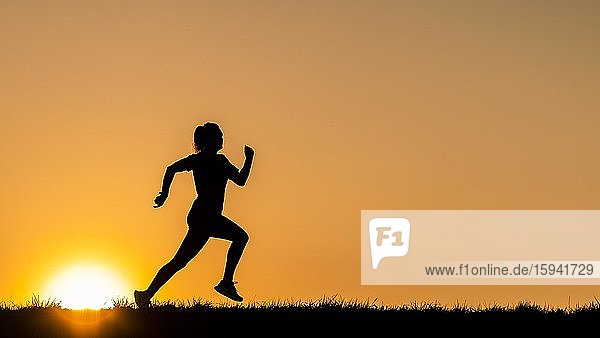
(86, 287)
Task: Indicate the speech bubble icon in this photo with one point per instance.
(389, 237)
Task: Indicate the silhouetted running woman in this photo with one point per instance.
(211, 171)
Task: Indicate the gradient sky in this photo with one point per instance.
(350, 105)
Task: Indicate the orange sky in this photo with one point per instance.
(350, 105)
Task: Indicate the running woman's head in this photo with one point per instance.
(208, 138)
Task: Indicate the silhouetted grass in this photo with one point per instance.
(321, 317)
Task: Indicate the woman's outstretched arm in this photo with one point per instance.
(179, 166)
(241, 177)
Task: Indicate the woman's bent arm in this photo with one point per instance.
(178, 166)
(242, 176)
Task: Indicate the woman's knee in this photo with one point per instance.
(243, 237)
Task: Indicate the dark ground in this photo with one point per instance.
(332, 319)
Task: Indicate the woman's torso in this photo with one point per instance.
(210, 179)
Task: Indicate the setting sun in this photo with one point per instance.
(86, 287)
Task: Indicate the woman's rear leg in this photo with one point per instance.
(189, 248)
